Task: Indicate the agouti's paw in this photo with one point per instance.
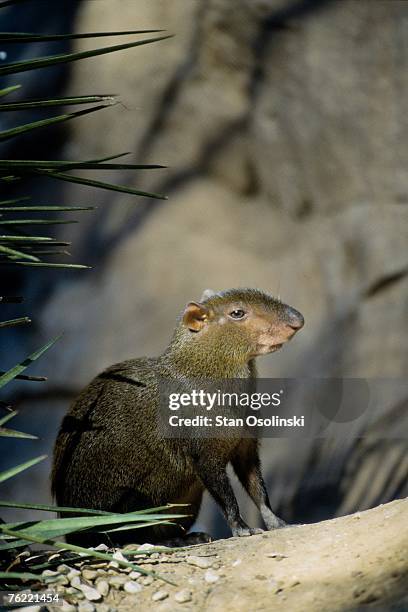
(243, 532)
(197, 537)
(276, 523)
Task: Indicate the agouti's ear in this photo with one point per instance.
(195, 316)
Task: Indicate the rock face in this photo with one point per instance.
(287, 170)
(288, 165)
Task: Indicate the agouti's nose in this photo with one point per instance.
(294, 319)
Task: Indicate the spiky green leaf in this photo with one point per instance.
(11, 472)
(13, 322)
(13, 253)
(101, 185)
(64, 58)
(12, 433)
(79, 549)
(16, 370)
(30, 37)
(34, 125)
(47, 264)
(63, 101)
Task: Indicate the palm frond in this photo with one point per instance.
(17, 469)
(64, 58)
(20, 367)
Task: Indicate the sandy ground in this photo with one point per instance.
(356, 562)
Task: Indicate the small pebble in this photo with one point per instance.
(72, 573)
(134, 575)
(147, 580)
(90, 593)
(117, 581)
(86, 606)
(67, 607)
(103, 587)
(64, 569)
(211, 576)
(201, 562)
(113, 564)
(72, 591)
(118, 556)
(89, 574)
(132, 587)
(76, 582)
(237, 562)
(145, 547)
(101, 547)
(159, 595)
(49, 574)
(183, 596)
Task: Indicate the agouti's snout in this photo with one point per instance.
(293, 318)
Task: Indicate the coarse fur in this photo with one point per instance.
(110, 453)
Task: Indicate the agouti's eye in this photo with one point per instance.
(237, 314)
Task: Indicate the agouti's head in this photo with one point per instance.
(242, 323)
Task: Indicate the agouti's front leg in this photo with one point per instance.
(247, 467)
(215, 479)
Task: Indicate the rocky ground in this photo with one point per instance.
(355, 562)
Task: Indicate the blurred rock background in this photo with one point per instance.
(284, 127)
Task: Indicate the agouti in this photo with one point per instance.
(109, 453)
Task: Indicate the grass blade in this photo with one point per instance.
(22, 164)
(34, 125)
(47, 264)
(23, 576)
(30, 378)
(16, 370)
(30, 37)
(101, 185)
(65, 58)
(12, 322)
(7, 90)
(8, 417)
(37, 221)
(16, 209)
(10, 238)
(132, 527)
(14, 253)
(45, 507)
(63, 101)
(12, 433)
(79, 549)
(20, 468)
(16, 201)
(13, 545)
(58, 527)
